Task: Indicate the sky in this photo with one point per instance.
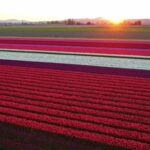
(36, 10)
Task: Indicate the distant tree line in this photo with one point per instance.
(134, 23)
(54, 22)
(73, 22)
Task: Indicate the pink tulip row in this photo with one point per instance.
(77, 42)
(81, 46)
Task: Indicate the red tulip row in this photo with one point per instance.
(68, 95)
(85, 86)
(84, 81)
(104, 100)
(76, 89)
(123, 81)
(70, 123)
(136, 86)
(69, 131)
(79, 109)
(76, 113)
(103, 110)
(59, 94)
(94, 88)
(78, 74)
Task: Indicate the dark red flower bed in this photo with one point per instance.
(47, 108)
(78, 42)
(80, 46)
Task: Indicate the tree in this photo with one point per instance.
(89, 23)
(70, 22)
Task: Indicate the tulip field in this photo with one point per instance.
(49, 106)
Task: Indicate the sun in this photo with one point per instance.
(115, 20)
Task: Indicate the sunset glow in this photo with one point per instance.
(115, 20)
(115, 10)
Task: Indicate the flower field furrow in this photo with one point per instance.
(105, 84)
(74, 74)
(82, 110)
(82, 117)
(79, 76)
(59, 107)
(31, 90)
(95, 87)
(63, 88)
(90, 102)
(124, 93)
(102, 138)
(124, 134)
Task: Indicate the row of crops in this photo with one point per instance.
(107, 109)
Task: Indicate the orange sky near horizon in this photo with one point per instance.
(36, 10)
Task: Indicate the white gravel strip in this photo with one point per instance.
(93, 60)
(77, 53)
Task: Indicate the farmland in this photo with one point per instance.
(76, 31)
(69, 94)
(74, 75)
(109, 110)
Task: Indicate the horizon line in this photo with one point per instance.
(13, 19)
